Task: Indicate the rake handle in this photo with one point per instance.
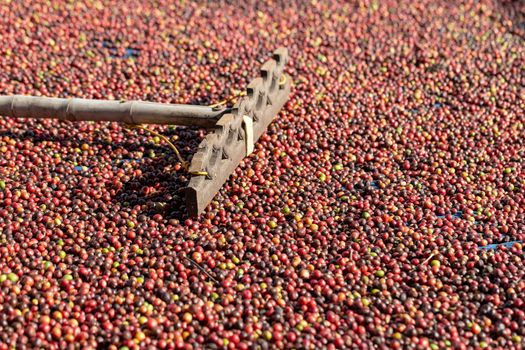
(130, 112)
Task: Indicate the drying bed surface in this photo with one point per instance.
(383, 208)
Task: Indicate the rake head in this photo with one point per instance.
(233, 136)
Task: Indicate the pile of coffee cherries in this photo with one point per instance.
(384, 207)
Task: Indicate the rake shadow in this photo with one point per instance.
(159, 187)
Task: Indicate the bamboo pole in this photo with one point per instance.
(131, 112)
